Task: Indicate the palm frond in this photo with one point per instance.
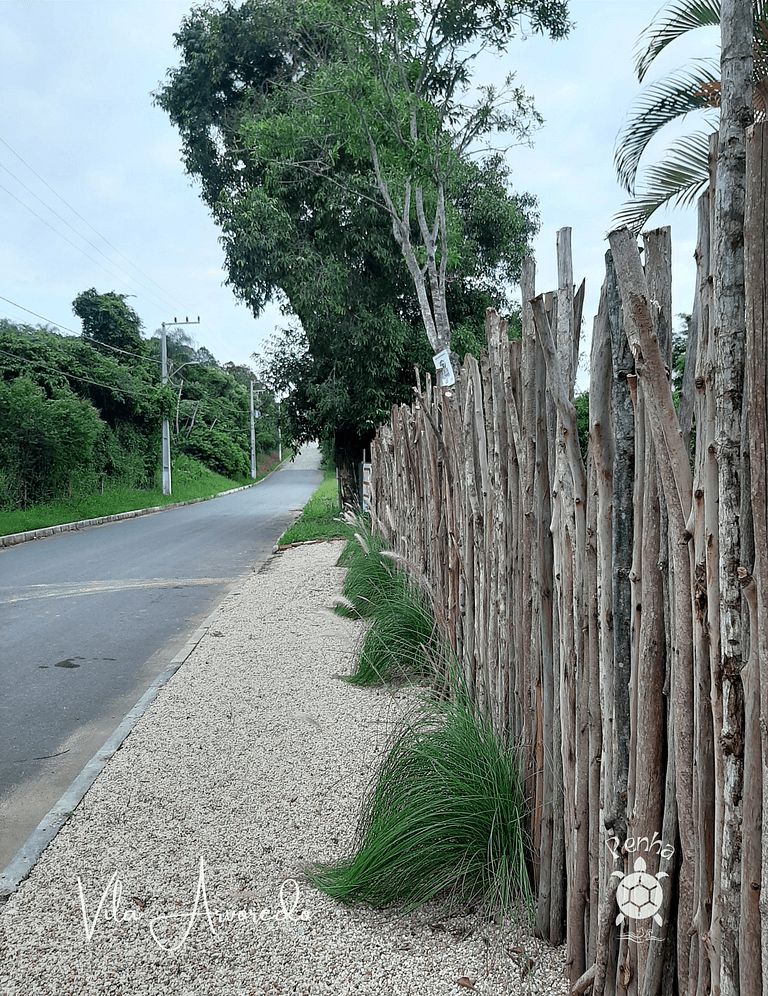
(678, 19)
(677, 180)
(666, 100)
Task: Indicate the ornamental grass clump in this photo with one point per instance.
(401, 641)
(370, 575)
(443, 818)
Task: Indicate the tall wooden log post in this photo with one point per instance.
(736, 114)
(646, 789)
(703, 528)
(754, 872)
(569, 519)
(601, 712)
(675, 474)
(618, 668)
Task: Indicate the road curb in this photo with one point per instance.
(13, 539)
(28, 854)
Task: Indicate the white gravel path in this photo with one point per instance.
(253, 758)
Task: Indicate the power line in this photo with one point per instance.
(78, 234)
(77, 214)
(85, 380)
(62, 236)
(84, 335)
(215, 400)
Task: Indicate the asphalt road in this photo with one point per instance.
(89, 619)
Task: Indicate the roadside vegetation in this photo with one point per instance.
(191, 480)
(81, 417)
(320, 517)
(444, 815)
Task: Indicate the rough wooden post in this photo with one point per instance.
(756, 691)
(569, 526)
(675, 473)
(736, 113)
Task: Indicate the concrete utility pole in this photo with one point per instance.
(166, 426)
(253, 439)
(166, 458)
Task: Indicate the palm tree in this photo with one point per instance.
(683, 173)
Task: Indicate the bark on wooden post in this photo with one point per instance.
(602, 446)
(702, 525)
(729, 331)
(622, 540)
(754, 892)
(570, 507)
(675, 471)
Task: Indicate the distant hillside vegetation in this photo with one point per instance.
(81, 414)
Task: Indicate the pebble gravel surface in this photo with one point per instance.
(181, 871)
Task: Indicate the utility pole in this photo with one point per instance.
(166, 458)
(253, 439)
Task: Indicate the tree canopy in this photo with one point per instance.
(107, 319)
(265, 98)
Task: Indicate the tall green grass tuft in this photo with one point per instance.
(370, 578)
(397, 645)
(443, 818)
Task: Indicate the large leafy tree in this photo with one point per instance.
(262, 101)
(683, 172)
(90, 417)
(397, 96)
(109, 320)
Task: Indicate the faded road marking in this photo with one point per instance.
(72, 589)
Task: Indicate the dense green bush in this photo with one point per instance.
(218, 451)
(47, 445)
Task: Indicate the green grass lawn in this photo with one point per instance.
(189, 480)
(319, 520)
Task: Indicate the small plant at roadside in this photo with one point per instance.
(320, 518)
(399, 644)
(443, 818)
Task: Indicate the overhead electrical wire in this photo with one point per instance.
(78, 234)
(62, 236)
(85, 380)
(109, 387)
(116, 349)
(154, 303)
(84, 335)
(221, 402)
(85, 221)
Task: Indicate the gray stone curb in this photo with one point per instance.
(13, 539)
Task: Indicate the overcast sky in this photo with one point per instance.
(76, 82)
